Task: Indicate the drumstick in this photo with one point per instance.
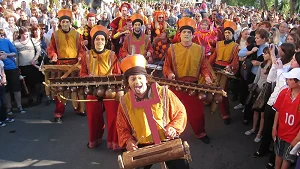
(139, 140)
(159, 124)
(162, 127)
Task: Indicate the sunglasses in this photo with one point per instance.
(197, 16)
(160, 17)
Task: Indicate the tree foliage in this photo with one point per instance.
(283, 6)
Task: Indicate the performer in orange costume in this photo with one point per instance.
(159, 23)
(91, 21)
(100, 62)
(186, 61)
(226, 57)
(137, 42)
(117, 26)
(65, 49)
(133, 123)
(205, 35)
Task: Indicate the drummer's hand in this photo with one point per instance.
(150, 60)
(208, 80)
(54, 58)
(171, 76)
(170, 132)
(228, 69)
(130, 145)
(148, 54)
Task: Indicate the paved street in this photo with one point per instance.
(34, 142)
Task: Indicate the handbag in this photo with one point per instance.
(43, 58)
(252, 92)
(246, 68)
(263, 96)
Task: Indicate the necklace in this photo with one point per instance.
(24, 42)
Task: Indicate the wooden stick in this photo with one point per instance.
(71, 70)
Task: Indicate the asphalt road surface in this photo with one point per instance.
(34, 142)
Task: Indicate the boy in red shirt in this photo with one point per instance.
(286, 128)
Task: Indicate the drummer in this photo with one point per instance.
(132, 124)
(229, 61)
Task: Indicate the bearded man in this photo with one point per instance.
(225, 57)
(186, 61)
(137, 42)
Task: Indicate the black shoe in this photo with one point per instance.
(205, 139)
(257, 154)
(270, 166)
(57, 120)
(227, 121)
(82, 113)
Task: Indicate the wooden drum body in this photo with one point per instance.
(166, 151)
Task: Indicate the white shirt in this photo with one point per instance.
(9, 33)
(276, 75)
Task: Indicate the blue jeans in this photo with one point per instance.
(3, 113)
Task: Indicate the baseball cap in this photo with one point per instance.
(292, 74)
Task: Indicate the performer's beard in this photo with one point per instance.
(228, 37)
(137, 30)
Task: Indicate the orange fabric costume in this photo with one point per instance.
(173, 109)
(103, 64)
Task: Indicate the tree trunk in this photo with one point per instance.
(264, 5)
(276, 5)
(292, 7)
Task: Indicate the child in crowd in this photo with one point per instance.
(260, 81)
(286, 127)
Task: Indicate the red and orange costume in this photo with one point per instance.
(134, 44)
(189, 64)
(161, 46)
(104, 63)
(205, 38)
(226, 55)
(87, 30)
(159, 26)
(68, 49)
(118, 25)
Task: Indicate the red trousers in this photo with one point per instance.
(195, 112)
(60, 108)
(224, 105)
(96, 122)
